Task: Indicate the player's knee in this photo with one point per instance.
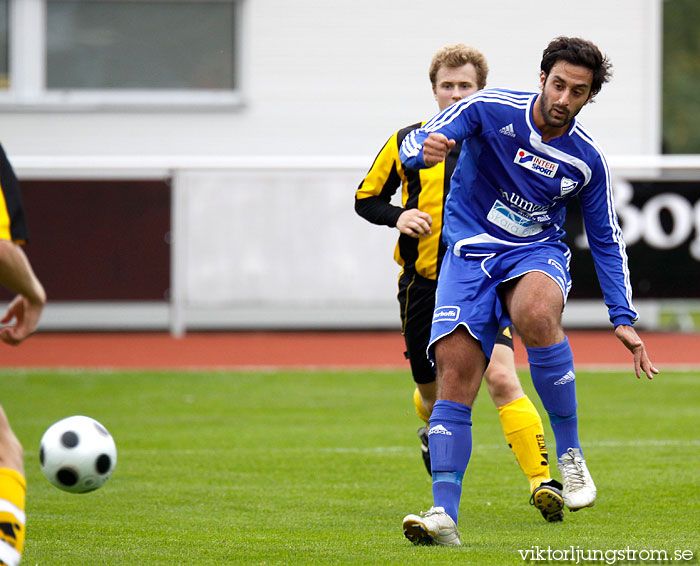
(450, 374)
(503, 384)
(540, 328)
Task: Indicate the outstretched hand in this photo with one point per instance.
(629, 337)
(26, 315)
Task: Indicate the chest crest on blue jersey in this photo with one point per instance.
(567, 186)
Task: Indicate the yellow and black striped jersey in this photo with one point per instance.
(425, 189)
(13, 225)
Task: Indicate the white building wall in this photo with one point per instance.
(337, 78)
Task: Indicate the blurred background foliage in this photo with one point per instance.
(681, 76)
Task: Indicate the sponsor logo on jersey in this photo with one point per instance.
(439, 429)
(523, 205)
(446, 313)
(534, 163)
(508, 131)
(568, 377)
(512, 222)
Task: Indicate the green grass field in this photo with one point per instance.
(319, 467)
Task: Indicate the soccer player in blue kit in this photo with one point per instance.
(524, 156)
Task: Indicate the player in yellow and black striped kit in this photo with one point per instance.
(456, 71)
(20, 320)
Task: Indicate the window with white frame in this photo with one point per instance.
(92, 53)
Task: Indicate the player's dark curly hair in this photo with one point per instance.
(581, 52)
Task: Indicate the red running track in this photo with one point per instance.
(301, 350)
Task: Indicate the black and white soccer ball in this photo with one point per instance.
(77, 454)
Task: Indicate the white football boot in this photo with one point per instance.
(431, 527)
(579, 490)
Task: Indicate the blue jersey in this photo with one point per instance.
(511, 189)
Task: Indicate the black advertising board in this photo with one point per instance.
(660, 221)
(99, 240)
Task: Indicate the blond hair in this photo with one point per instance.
(458, 55)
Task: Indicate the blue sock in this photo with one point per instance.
(565, 431)
(450, 442)
(552, 371)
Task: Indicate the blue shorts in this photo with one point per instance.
(468, 292)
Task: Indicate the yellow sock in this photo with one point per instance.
(523, 430)
(13, 488)
(420, 409)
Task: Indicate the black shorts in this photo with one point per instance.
(417, 300)
(505, 336)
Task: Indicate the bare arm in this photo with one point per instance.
(629, 337)
(16, 274)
